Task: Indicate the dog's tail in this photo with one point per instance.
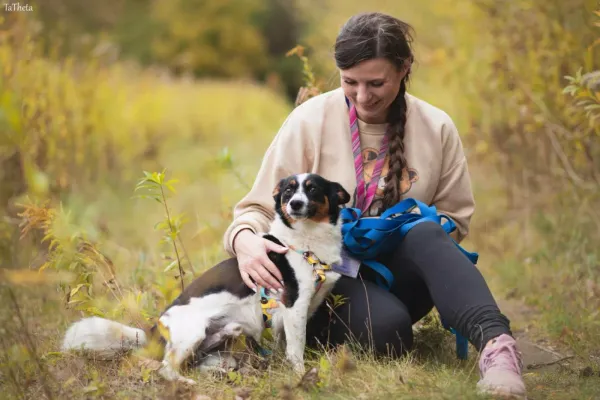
(104, 338)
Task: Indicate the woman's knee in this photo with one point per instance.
(426, 231)
(369, 316)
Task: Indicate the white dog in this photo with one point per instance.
(218, 304)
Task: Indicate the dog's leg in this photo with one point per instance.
(182, 339)
(217, 362)
(278, 332)
(215, 347)
(294, 324)
(174, 357)
(184, 342)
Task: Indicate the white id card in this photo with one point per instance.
(349, 265)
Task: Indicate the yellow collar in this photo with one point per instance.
(268, 303)
(312, 259)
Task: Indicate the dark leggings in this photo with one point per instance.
(429, 270)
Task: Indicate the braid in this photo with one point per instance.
(397, 120)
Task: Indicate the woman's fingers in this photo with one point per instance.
(258, 279)
(247, 280)
(267, 264)
(272, 282)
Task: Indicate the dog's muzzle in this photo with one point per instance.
(297, 208)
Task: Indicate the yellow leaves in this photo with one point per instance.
(35, 217)
(77, 288)
(311, 88)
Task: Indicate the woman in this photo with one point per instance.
(407, 148)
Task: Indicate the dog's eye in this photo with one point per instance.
(288, 190)
(312, 190)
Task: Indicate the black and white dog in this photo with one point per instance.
(218, 304)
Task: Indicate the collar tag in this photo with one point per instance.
(348, 267)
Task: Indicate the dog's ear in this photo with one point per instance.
(277, 190)
(339, 193)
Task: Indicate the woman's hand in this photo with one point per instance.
(254, 262)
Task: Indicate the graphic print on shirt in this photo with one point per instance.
(369, 157)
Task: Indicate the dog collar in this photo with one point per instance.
(268, 303)
(312, 259)
(319, 267)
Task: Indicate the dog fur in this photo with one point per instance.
(218, 305)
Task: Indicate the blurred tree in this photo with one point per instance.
(210, 37)
(283, 27)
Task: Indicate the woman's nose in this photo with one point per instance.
(362, 95)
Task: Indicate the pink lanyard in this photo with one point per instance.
(363, 202)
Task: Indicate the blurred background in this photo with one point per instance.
(93, 93)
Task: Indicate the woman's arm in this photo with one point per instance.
(454, 195)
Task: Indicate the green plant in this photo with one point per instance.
(70, 250)
(155, 184)
(585, 90)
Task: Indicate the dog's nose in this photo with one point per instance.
(296, 204)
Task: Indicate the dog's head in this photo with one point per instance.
(303, 197)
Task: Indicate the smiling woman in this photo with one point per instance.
(383, 144)
(372, 86)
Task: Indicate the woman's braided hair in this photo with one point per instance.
(374, 35)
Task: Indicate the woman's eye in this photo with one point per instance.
(377, 84)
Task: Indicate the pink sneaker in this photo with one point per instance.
(500, 369)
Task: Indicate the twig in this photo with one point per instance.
(546, 364)
(575, 179)
(547, 350)
(185, 253)
(370, 327)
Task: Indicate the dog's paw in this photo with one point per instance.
(187, 381)
(214, 370)
(298, 367)
(170, 374)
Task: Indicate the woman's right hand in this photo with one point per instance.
(254, 262)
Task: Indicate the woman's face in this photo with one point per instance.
(372, 85)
